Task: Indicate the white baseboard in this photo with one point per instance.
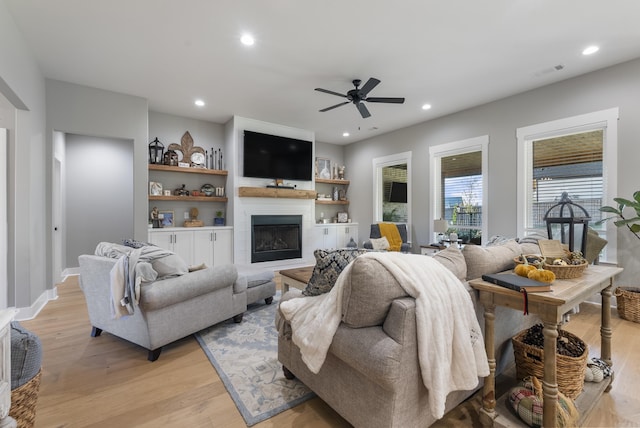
(32, 311)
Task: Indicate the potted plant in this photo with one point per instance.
(219, 219)
(633, 223)
(628, 298)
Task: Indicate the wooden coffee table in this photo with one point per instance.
(297, 278)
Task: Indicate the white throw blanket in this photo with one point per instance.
(450, 344)
(132, 268)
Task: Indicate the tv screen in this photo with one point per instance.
(398, 192)
(271, 156)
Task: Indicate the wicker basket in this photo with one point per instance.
(568, 271)
(569, 370)
(23, 402)
(628, 301)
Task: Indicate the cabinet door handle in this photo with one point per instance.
(211, 236)
(215, 236)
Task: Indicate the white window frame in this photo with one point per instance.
(607, 121)
(439, 151)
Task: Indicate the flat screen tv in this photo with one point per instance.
(398, 192)
(272, 156)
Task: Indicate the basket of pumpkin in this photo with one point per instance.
(572, 265)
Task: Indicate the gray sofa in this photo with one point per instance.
(169, 309)
(371, 375)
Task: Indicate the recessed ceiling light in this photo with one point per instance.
(199, 103)
(590, 50)
(426, 106)
(247, 39)
(345, 134)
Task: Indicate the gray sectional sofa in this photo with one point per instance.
(371, 375)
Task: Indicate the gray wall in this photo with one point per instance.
(99, 193)
(616, 86)
(94, 112)
(22, 83)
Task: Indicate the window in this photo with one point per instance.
(570, 155)
(459, 190)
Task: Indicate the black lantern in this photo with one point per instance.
(568, 223)
(156, 148)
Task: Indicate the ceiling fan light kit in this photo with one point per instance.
(358, 96)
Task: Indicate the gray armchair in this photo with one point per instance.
(375, 234)
(169, 309)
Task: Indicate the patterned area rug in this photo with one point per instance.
(245, 356)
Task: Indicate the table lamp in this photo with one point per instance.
(440, 227)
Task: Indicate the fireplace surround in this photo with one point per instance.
(276, 237)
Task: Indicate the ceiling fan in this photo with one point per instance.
(357, 96)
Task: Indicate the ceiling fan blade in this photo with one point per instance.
(364, 112)
(332, 107)
(326, 91)
(385, 100)
(371, 83)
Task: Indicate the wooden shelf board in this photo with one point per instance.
(585, 402)
(330, 181)
(154, 167)
(332, 202)
(188, 198)
(269, 192)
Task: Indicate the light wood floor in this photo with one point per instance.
(108, 382)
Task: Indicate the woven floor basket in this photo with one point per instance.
(569, 370)
(628, 302)
(23, 402)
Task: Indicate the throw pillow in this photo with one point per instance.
(170, 266)
(329, 265)
(134, 243)
(380, 243)
(493, 259)
(452, 258)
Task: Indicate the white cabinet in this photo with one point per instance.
(223, 246)
(325, 237)
(344, 233)
(209, 245)
(178, 241)
(335, 235)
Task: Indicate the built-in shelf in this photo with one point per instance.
(271, 192)
(330, 181)
(155, 167)
(345, 202)
(188, 198)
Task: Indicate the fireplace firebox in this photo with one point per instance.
(275, 237)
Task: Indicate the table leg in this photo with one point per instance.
(605, 327)
(549, 382)
(489, 387)
(605, 330)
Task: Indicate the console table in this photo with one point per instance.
(550, 306)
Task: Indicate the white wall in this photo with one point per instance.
(99, 193)
(616, 86)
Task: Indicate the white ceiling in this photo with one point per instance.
(451, 54)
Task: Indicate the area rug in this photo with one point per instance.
(245, 355)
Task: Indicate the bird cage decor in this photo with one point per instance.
(568, 223)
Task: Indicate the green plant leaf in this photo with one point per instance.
(623, 201)
(608, 209)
